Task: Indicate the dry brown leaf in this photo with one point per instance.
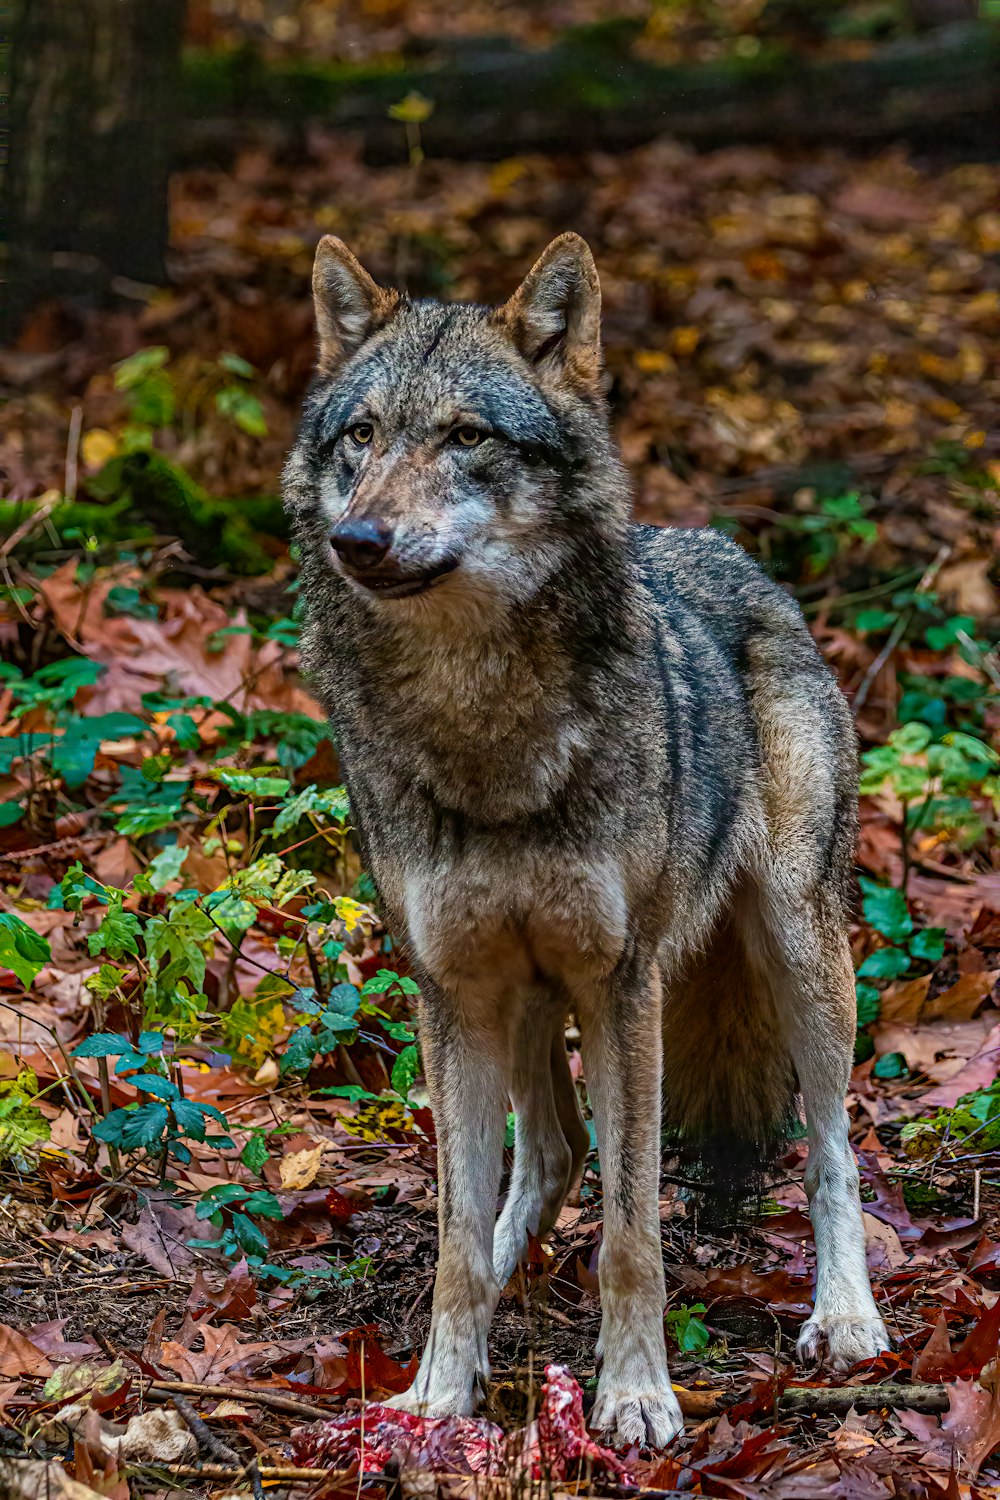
(299, 1168)
(160, 1436)
(903, 1002)
(19, 1356)
(32, 1479)
(973, 1421)
(961, 1001)
(883, 1245)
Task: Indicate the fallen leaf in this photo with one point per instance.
(962, 999)
(902, 1003)
(18, 1356)
(159, 1236)
(973, 1421)
(160, 1436)
(299, 1168)
(32, 1479)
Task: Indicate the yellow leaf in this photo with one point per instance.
(349, 911)
(97, 447)
(988, 233)
(413, 110)
(653, 361)
(267, 1073)
(505, 174)
(684, 340)
(298, 1169)
(374, 1120)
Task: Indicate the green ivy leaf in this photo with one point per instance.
(248, 1236)
(189, 1118)
(117, 933)
(911, 739)
(928, 944)
(103, 1044)
(166, 866)
(22, 949)
(255, 1154)
(869, 1003)
(300, 1050)
(153, 1083)
(265, 1204)
(890, 1065)
(885, 963)
(885, 908)
(144, 1126)
(867, 620)
(404, 1071)
(398, 1030)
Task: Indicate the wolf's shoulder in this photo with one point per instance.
(702, 570)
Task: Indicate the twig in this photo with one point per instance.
(27, 526)
(209, 1443)
(987, 659)
(72, 452)
(244, 1393)
(206, 1439)
(899, 629)
(85, 1098)
(265, 1472)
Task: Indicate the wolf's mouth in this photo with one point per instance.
(404, 585)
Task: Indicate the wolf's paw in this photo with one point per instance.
(628, 1418)
(841, 1342)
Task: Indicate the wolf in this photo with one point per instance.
(595, 768)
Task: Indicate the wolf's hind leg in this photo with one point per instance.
(550, 1138)
(622, 1052)
(466, 1061)
(813, 983)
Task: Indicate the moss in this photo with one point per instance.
(139, 496)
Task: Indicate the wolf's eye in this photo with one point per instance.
(467, 437)
(362, 433)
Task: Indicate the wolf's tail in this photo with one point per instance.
(729, 1084)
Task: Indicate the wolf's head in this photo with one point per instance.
(451, 455)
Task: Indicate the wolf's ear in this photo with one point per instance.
(349, 304)
(554, 317)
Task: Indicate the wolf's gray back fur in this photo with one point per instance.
(593, 766)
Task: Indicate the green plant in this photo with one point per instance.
(23, 1127)
(685, 1327)
(806, 543)
(886, 911)
(155, 398)
(157, 1126)
(936, 777)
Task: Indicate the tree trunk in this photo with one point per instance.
(93, 104)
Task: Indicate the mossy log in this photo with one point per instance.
(593, 90)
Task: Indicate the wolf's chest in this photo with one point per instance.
(493, 917)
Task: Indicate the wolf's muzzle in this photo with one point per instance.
(365, 551)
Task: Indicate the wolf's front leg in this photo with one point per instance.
(622, 1062)
(465, 1058)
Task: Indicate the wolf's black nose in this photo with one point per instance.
(362, 543)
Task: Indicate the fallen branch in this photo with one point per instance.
(268, 1474)
(273, 1399)
(831, 1401)
(209, 1443)
(824, 1401)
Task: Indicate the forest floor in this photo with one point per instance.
(204, 1034)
